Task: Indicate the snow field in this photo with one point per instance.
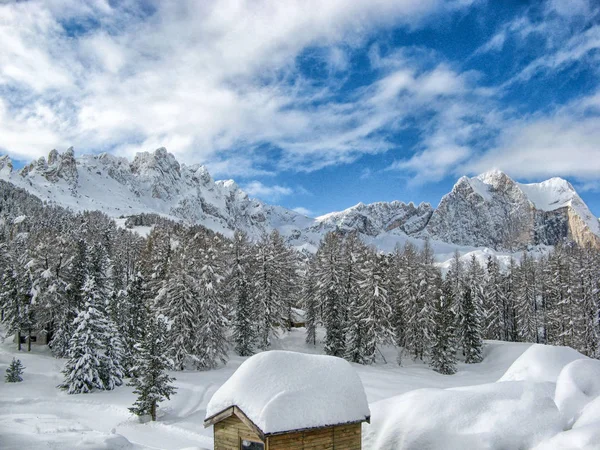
(551, 402)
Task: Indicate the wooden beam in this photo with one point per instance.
(218, 417)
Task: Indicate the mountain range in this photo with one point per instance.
(490, 210)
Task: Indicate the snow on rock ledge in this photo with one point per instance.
(284, 391)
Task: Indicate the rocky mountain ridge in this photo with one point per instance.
(490, 210)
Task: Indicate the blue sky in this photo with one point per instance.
(312, 105)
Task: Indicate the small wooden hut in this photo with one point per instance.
(284, 400)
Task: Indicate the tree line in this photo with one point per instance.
(101, 292)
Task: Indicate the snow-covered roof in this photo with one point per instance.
(283, 391)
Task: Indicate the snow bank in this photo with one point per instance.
(282, 391)
(490, 416)
(577, 385)
(541, 363)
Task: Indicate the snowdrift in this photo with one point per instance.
(489, 416)
(541, 363)
(548, 399)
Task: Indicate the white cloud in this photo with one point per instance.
(303, 211)
(546, 147)
(257, 189)
(198, 77)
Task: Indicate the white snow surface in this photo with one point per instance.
(284, 391)
(412, 407)
(541, 363)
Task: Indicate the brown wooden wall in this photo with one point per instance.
(229, 431)
(341, 437)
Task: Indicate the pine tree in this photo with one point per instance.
(493, 302)
(526, 298)
(153, 384)
(372, 311)
(14, 371)
(179, 302)
(211, 345)
(83, 370)
(111, 369)
(271, 286)
(134, 318)
(470, 328)
(443, 349)
(395, 278)
(418, 285)
(238, 288)
(329, 288)
(310, 303)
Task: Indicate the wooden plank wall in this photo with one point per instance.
(229, 431)
(342, 437)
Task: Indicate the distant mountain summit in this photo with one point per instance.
(490, 210)
(495, 211)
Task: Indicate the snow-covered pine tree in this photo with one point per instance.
(396, 293)
(586, 306)
(14, 372)
(16, 292)
(156, 260)
(493, 301)
(112, 370)
(310, 303)
(179, 302)
(270, 287)
(510, 293)
(526, 299)
(83, 370)
(354, 258)
(560, 299)
(75, 277)
(238, 289)
(211, 344)
(153, 384)
(416, 292)
(49, 287)
(470, 328)
(135, 316)
(329, 288)
(372, 312)
(443, 348)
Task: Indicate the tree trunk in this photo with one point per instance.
(29, 340)
(153, 411)
(19, 339)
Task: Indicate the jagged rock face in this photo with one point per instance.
(152, 182)
(490, 210)
(493, 210)
(373, 219)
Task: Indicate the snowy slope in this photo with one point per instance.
(488, 211)
(411, 405)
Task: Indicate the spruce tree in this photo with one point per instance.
(134, 317)
(329, 289)
(470, 328)
(84, 369)
(179, 301)
(14, 371)
(238, 288)
(372, 311)
(310, 303)
(443, 348)
(153, 383)
(211, 345)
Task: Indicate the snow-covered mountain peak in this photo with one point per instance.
(489, 210)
